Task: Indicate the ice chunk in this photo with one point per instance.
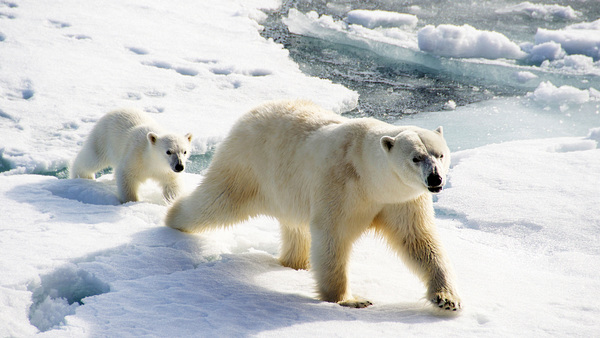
(450, 105)
(574, 64)
(594, 134)
(377, 18)
(327, 28)
(546, 51)
(467, 42)
(594, 25)
(541, 11)
(552, 96)
(524, 76)
(583, 38)
(572, 145)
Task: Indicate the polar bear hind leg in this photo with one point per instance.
(225, 196)
(295, 246)
(87, 163)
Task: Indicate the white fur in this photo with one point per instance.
(137, 149)
(328, 179)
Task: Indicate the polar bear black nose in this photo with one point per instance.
(434, 180)
(178, 167)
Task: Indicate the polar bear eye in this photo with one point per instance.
(441, 156)
(169, 152)
(416, 159)
(185, 152)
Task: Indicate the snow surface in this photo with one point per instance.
(75, 63)
(518, 217)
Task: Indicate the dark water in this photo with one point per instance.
(389, 89)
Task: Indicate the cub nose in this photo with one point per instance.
(434, 180)
(178, 167)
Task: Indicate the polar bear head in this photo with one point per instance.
(171, 149)
(420, 157)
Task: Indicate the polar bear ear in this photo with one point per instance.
(440, 130)
(152, 137)
(387, 143)
(189, 137)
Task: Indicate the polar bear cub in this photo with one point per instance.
(137, 149)
(328, 179)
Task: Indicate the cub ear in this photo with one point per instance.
(152, 137)
(189, 137)
(387, 143)
(440, 130)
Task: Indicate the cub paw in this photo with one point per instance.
(446, 301)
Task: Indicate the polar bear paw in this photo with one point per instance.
(446, 301)
(357, 303)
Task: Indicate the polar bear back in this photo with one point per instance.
(117, 131)
(291, 149)
(273, 144)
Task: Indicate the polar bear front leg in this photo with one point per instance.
(171, 188)
(329, 259)
(127, 184)
(410, 230)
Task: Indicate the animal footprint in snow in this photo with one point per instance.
(78, 36)
(59, 24)
(187, 71)
(8, 4)
(139, 50)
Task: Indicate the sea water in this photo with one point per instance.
(480, 100)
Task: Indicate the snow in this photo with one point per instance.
(325, 26)
(541, 11)
(546, 51)
(581, 39)
(467, 42)
(517, 217)
(155, 57)
(525, 76)
(377, 18)
(575, 64)
(550, 95)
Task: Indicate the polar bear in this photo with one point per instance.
(130, 142)
(327, 179)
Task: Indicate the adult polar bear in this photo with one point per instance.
(138, 149)
(328, 179)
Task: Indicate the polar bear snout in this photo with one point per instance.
(434, 182)
(177, 165)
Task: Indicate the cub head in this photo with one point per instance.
(174, 149)
(420, 157)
